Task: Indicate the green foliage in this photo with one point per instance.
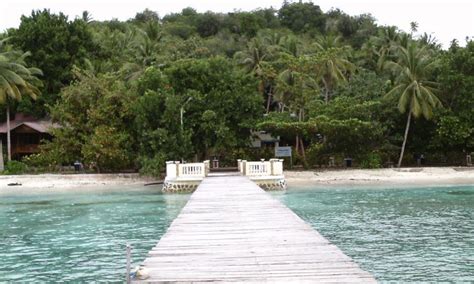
(96, 115)
(301, 17)
(107, 149)
(56, 45)
(217, 85)
(344, 107)
(16, 79)
(192, 85)
(153, 166)
(416, 94)
(208, 24)
(289, 128)
(317, 155)
(452, 132)
(219, 104)
(157, 124)
(350, 137)
(146, 16)
(371, 161)
(15, 168)
(456, 76)
(42, 162)
(181, 30)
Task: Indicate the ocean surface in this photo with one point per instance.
(71, 236)
(421, 234)
(397, 234)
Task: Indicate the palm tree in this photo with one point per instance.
(253, 57)
(15, 80)
(143, 46)
(323, 43)
(413, 27)
(384, 43)
(333, 68)
(416, 94)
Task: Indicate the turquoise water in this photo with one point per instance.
(400, 234)
(80, 236)
(404, 234)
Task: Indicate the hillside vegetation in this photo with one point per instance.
(132, 94)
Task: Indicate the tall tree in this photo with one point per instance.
(413, 27)
(56, 45)
(332, 66)
(416, 94)
(253, 60)
(302, 17)
(16, 79)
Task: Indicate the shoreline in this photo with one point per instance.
(71, 181)
(340, 177)
(386, 176)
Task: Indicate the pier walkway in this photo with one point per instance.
(232, 231)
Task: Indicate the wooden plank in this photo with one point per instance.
(231, 230)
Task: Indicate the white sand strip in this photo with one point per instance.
(404, 176)
(65, 181)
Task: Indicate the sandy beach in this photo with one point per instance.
(67, 181)
(403, 176)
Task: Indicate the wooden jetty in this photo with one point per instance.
(232, 231)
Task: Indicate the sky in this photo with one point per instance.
(444, 19)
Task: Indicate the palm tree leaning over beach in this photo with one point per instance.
(16, 79)
(416, 94)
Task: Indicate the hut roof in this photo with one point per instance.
(43, 125)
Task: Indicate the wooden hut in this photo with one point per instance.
(26, 133)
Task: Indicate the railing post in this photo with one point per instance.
(129, 263)
(178, 168)
(206, 167)
(279, 167)
(244, 167)
(171, 171)
(272, 167)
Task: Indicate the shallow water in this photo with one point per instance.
(404, 234)
(80, 236)
(398, 234)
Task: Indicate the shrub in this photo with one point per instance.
(41, 162)
(153, 166)
(372, 161)
(15, 168)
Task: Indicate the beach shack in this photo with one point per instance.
(26, 134)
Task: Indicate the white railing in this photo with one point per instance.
(174, 170)
(191, 170)
(257, 168)
(273, 167)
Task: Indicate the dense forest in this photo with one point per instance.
(133, 94)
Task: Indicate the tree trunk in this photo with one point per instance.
(9, 145)
(303, 154)
(402, 152)
(2, 164)
(269, 97)
(297, 144)
(326, 91)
